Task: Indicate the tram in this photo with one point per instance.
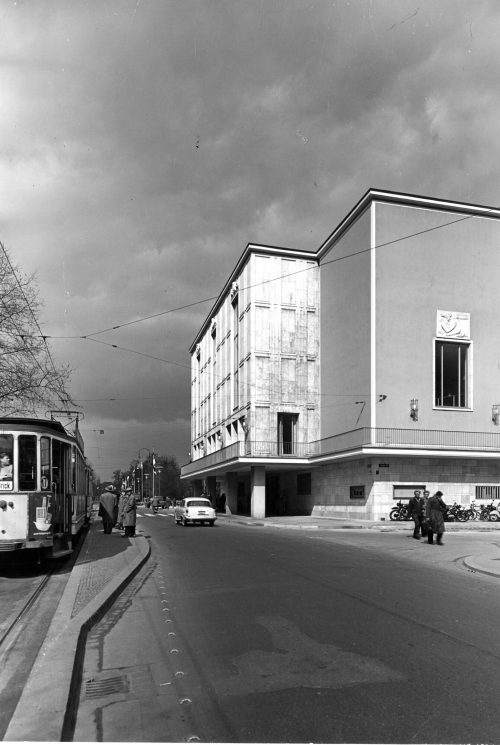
(45, 486)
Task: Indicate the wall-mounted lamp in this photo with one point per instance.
(244, 424)
(495, 414)
(414, 409)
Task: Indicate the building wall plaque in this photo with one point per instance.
(452, 325)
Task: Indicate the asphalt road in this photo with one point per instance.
(244, 634)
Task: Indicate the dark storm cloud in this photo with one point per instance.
(145, 143)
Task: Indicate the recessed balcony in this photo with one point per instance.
(355, 442)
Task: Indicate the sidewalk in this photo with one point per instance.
(106, 563)
(320, 522)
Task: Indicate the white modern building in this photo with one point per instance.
(337, 381)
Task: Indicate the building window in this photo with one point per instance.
(405, 491)
(287, 428)
(303, 484)
(451, 375)
(357, 492)
(236, 352)
(488, 492)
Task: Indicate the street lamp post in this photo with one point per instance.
(158, 471)
(148, 451)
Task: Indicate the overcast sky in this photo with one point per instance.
(144, 143)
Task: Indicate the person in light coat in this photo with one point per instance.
(435, 512)
(121, 504)
(129, 513)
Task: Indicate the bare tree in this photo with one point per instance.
(29, 378)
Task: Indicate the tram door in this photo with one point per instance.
(62, 503)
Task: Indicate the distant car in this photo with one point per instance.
(194, 510)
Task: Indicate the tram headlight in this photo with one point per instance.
(3, 504)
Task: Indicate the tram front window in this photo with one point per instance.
(6, 449)
(27, 463)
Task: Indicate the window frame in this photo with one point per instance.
(357, 491)
(27, 456)
(289, 420)
(468, 376)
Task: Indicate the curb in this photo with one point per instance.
(49, 702)
(478, 566)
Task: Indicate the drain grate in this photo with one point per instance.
(106, 686)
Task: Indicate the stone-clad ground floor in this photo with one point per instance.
(359, 488)
(369, 488)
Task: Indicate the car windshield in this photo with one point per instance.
(198, 503)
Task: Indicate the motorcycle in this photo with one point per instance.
(473, 511)
(399, 512)
(487, 510)
(456, 512)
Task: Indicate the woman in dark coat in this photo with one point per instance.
(435, 511)
(129, 513)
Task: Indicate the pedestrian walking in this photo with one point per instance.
(416, 512)
(435, 511)
(129, 513)
(107, 507)
(121, 503)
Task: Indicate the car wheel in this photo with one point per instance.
(211, 523)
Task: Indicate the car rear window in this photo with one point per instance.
(198, 503)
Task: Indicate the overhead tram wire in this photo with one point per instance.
(90, 336)
(134, 351)
(265, 281)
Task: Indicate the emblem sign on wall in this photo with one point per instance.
(452, 325)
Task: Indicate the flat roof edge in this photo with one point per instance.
(410, 200)
(250, 248)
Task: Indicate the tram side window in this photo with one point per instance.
(73, 469)
(45, 463)
(6, 453)
(27, 463)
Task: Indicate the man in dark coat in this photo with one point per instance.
(416, 512)
(107, 508)
(435, 512)
(129, 513)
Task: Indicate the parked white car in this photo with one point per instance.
(194, 510)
